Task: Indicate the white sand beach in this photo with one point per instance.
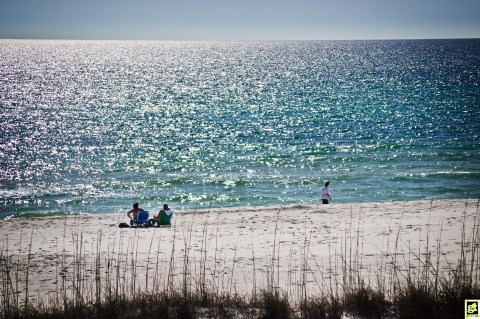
(296, 248)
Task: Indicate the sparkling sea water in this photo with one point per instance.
(94, 126)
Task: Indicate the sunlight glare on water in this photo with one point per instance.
(95, 126)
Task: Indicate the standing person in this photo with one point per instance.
(132, 214)
(326, 193)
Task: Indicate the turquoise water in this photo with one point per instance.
(91, 127)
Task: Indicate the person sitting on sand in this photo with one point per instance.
(163, 218)
(167, 211)
(326, 193)
(134, 212)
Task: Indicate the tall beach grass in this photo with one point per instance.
(203, 277)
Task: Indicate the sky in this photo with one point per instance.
(239, 20)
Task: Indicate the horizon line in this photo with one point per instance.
(243, 40)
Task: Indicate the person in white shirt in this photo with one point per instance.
(326, 194)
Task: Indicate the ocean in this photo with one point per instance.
(94, 126)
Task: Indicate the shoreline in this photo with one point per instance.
(203, 209)
(242, 249)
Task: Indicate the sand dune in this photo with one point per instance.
(242, 249)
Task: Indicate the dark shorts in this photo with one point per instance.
(324, 201)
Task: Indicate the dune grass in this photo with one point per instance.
(408, 283)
